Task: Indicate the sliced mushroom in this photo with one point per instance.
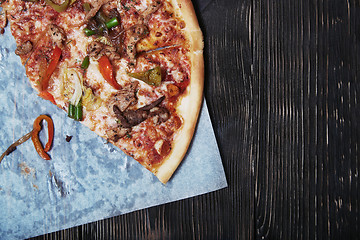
(162, 146)
(94, 49)
(57, 35)
(24, 48)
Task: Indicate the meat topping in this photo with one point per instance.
(134, 35)
(24, 48)
(159, 114)
(125, 97)
(97, 49)
(116, 133)
(130, 118)
(96, 7)
(147, 13)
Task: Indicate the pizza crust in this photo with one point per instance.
(189, 108)
(186, 10)
(190, 104)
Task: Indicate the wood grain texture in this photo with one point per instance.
(307, 171)
(282, 89)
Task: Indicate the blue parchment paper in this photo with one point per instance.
(87, 179)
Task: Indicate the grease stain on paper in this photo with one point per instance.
(27, 171)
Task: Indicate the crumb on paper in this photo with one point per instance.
(26, 171)
(68, 138)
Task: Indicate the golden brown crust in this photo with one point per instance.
(186, 9)
(188, 108)
(189, 105)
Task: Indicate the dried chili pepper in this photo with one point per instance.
(35, 136)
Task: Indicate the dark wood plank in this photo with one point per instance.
(283, 94)
(306, 60)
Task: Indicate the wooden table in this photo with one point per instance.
(282, 89)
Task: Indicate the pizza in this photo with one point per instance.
(129, 70)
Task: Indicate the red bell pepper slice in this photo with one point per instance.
(55, 57)
(47, 96)
(35, 136)
(107, 71)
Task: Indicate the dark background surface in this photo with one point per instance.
(282, 89)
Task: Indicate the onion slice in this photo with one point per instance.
(77, 87)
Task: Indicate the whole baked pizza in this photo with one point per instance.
(130, 70)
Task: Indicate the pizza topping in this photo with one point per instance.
(88, 32)
(75, 111)
(85, 63)
(121, 119)
(130, 118)
(151, 77)
(112, 23)
(116, 133)
(47, 96)
(97, 5)
(96, 49)
(90, 101)
(73, 77)
(134, 34)
(125, 97)
(102, 22)
(173, 90)
(57, 35)
(59, 8)
(107, 71)
(24, 48)
(74, 84)
(139, 31)
(146, 14)
(55, 58)
(162, 147)
(159, 114)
